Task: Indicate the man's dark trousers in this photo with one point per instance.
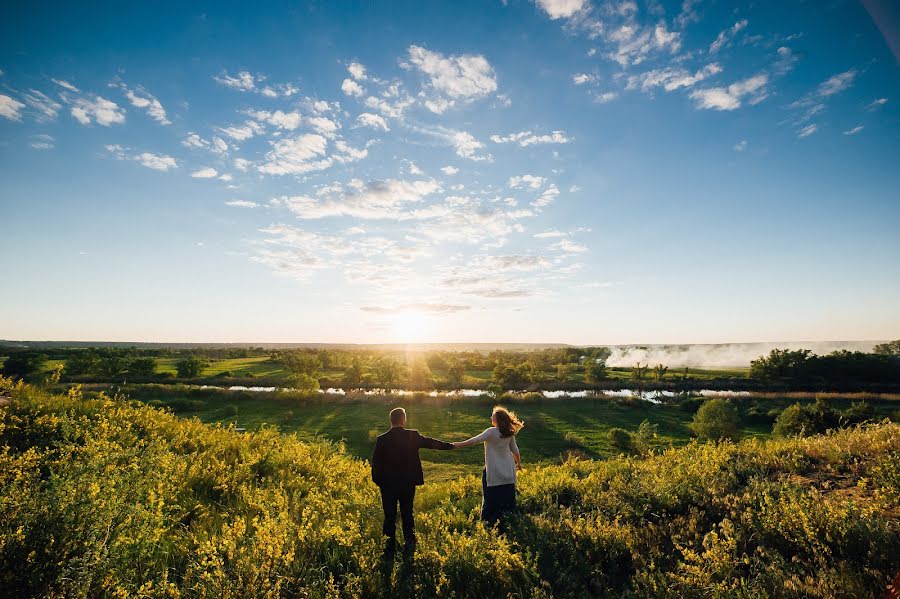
(390, 497)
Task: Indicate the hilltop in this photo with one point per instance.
(111, 497)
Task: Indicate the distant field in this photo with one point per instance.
(553, 426)
(263, 368)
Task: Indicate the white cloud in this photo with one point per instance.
(393, 109)
(357, 71)
(352, 88)
(244, 81)
(65, 85)
(10, 108)
(449, 170)
(854, 130)
(633, 45)
(141, 98)
(727, 36)
(205, 173)
(243, 132)
(583, 78)
(279, 119)
(100, 110)
(323, 125)
(451, 78)
(560, 9)
(247, 82)
(527, 138)
(785, 62)
(242, 204)
(877, 103)
(568, 246)
(740, 146)
(606, 97)
(807, 131)
(467, 146)
(46, 107)
(296, 155)
(367, 119)
(722, 98)
(159, 162)
(550, 234)
(671, 78)
(42, 142)
(523, 181)
(837, 83)
(388, 199)
(547, 197)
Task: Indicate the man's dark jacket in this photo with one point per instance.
(395, 461)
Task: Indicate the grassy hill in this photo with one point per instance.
(114, 498)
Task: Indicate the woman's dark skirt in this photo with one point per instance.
(497, 501)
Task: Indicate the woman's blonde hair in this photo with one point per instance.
(507, 422)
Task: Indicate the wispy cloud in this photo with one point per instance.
(527, 138)
(10, 108)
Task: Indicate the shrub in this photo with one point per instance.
(620, 439)
(230, 410)
(25, 365)
(190, 368)
(716, 419)
(575, 440)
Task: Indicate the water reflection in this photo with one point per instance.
(654, 396)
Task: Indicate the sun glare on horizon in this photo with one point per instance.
(409, 327)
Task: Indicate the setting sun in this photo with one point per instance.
(409, 327)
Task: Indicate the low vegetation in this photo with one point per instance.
(111, 497)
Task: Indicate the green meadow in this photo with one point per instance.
(555, 428)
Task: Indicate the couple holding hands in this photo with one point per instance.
(397, 469)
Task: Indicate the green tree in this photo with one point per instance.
(304, 382)
(716, 419)
(388, 372)
(781, 364)
(420, 378)
(511, 377)
(190, 367)
(145, 366)
(639, 373)
(25, 365)
(81, 362)
(563, 370)
(594, 371)
(456, 372)
(659, 371)
(301, 362)
(353, 376)
(112, 364)
(891, 348)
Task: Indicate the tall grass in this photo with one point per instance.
(108, 497)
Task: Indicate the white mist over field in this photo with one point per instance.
(720, 355)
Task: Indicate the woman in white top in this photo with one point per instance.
(501, 460)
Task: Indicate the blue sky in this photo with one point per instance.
(549, 171)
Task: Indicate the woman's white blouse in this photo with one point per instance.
(498, 456)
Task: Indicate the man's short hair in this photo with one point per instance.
(398, 415)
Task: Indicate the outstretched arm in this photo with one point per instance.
(429, 443)
(469, 442)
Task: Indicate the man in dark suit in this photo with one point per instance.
(397, 470)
